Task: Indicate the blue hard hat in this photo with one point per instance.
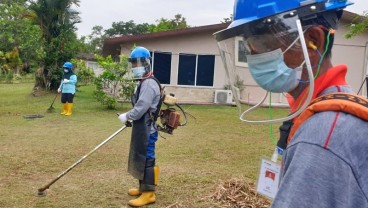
(140, 57)
(140, 52)
(68, 65)
(246, 11)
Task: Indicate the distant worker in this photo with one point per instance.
(145, 101)
(324, 138)
(67, 89)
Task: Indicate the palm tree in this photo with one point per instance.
(57, 21)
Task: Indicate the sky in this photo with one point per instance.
(196, 12)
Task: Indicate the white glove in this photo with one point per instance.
(123, 118)
(66, 80)
(59, 90)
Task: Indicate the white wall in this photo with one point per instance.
(96, 68)
(354, 53)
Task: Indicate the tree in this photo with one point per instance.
(85, 74)
(179, 22)
(18, 35)
(127, 28)
(131, 28)
(227, 19)
(59, 43)
(113, 83)
(358, 25)
(94, 41)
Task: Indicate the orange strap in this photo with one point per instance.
(348, 103)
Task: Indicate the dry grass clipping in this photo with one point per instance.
(175, 205)
(240, 194)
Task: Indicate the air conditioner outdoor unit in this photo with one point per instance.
(223, 97)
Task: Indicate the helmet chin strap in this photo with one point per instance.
(310, 91)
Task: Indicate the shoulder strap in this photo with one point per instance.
(152, 77)
(344, 102)
(162, 96)
(159, 104)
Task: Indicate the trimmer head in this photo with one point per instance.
(50, 109)
(41, 193)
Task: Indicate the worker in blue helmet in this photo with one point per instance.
(287, 47)
(67, 89)
(145, 101)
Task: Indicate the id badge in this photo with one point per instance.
(268, 178)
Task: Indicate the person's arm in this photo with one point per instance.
(73, 79)
(60, 87)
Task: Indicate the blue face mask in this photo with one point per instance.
(271, 73)
(138, 72)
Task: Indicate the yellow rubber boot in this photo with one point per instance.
(156, 171)
(70, 107)
(134, 192)
(145, 198)
(65, 109)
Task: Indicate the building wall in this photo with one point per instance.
(202, 44)
(95, 67)
(352, 52)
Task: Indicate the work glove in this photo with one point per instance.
(66, 80)
(123, 117)
(59, 90)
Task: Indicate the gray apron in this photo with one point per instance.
(138, 144)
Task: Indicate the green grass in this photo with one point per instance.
(211, 149)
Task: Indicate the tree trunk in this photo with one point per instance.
(40, 78)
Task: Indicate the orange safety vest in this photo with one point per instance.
(344, 102)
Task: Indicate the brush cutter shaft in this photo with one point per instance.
(80, 160)
(54, 100)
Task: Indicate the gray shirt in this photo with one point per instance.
(326, 173)
(149, 96)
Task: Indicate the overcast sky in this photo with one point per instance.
(196, 12)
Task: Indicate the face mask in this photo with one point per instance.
(66, 71)
(138, 72)
(271, 73)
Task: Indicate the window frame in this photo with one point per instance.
(196, 69)
(236, 52)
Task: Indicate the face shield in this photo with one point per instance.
(267, 56)
(139, 67)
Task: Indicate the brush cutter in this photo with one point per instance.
(42, 190)
(51, 108)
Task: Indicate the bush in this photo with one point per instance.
(112, 83)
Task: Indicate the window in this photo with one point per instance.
(187, 67)
(205, 70)
(162, 66)
(240, 52)
(196, 70)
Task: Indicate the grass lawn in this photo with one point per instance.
(213, 148)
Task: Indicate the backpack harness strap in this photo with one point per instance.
(154, 115)
(344, 102)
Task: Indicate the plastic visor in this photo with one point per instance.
(138, 62)
(247, 94)
(271, 33)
